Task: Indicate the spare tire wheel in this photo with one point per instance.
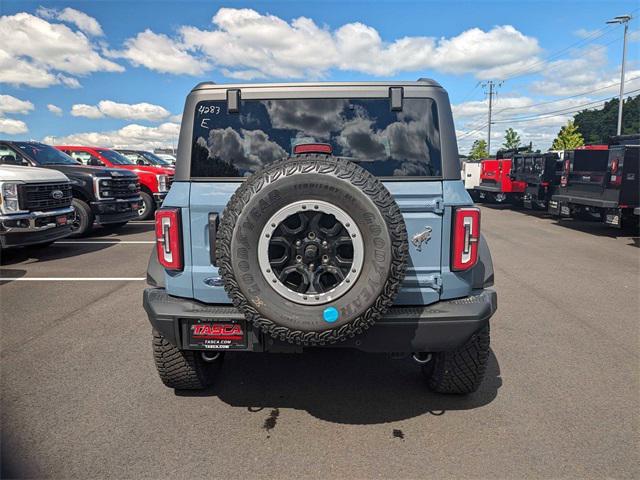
(312, 249)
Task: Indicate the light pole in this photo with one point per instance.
(624, 20)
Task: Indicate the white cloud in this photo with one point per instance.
(168, 56)
(38, 53)
(87, 111)
(130, 136)
(54, 109)
(586, 70)
(247, 45)
(12, 127)
(9, 104)
(84, 22)
(126, 111)
(176, 118)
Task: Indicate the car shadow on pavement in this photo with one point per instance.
(120, 232)
(7, 275)
(341, 386)
(50, 252)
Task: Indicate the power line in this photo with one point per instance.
(564, 111)
(567, 98)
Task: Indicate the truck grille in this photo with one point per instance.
(122, 187)
(42, 196)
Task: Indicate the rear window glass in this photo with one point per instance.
(386, 143)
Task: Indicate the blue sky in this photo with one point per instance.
(126, 53)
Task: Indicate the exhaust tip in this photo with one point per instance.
(210, 356)
(421, 357)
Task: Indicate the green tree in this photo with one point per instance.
(478, 150)
(596, 126)
(568, 138)
(511, 139)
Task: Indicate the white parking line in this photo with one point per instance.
(61, 242)
(73, 279)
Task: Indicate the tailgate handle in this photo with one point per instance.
(214, 220)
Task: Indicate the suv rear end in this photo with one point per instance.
(327, 215)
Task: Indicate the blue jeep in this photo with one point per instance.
(320, 215)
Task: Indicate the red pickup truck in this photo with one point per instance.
(496, 183)
(154, 181)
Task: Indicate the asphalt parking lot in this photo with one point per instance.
(81, 398)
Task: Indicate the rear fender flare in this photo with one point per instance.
(482, 273)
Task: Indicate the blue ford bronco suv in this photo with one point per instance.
(320, 215)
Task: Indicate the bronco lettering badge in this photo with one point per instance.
(205, 334)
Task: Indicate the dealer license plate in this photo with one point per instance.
(222, 335)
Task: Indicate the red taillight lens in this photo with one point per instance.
(466, 236)
(168, 239)
(313, 148)
(567, 164)
(616, 179)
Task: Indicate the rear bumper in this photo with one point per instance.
(438, 327)
(497, 188)
(588, 201)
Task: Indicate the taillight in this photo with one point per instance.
(616, 179)
(168, 239)
(565, 173)
(466, 236)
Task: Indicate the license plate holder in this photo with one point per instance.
(565, 211)
(207, 334)
(61, 220)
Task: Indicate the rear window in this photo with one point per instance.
(386, 143)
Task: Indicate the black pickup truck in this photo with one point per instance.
(106, 196)
(601, 181)
(541, 173)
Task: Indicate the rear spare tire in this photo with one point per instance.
(312, 249)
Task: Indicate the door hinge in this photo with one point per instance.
(437, 206)
(434, 281)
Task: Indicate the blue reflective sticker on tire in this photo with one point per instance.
(330, 314)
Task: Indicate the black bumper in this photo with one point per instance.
(496, 188)
(587, 201)
(159, 198)
(21, 239)
(438, 327)
(116, 211)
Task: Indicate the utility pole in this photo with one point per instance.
(492, 86)
(624, 20)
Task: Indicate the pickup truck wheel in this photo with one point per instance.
(83, 221)
(183, 369)
(148, 207)
(331, 249)
(459, 371)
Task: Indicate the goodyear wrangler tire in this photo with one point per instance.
(312, 249)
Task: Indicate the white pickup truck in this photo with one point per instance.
(471, 177)
(35, 205)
